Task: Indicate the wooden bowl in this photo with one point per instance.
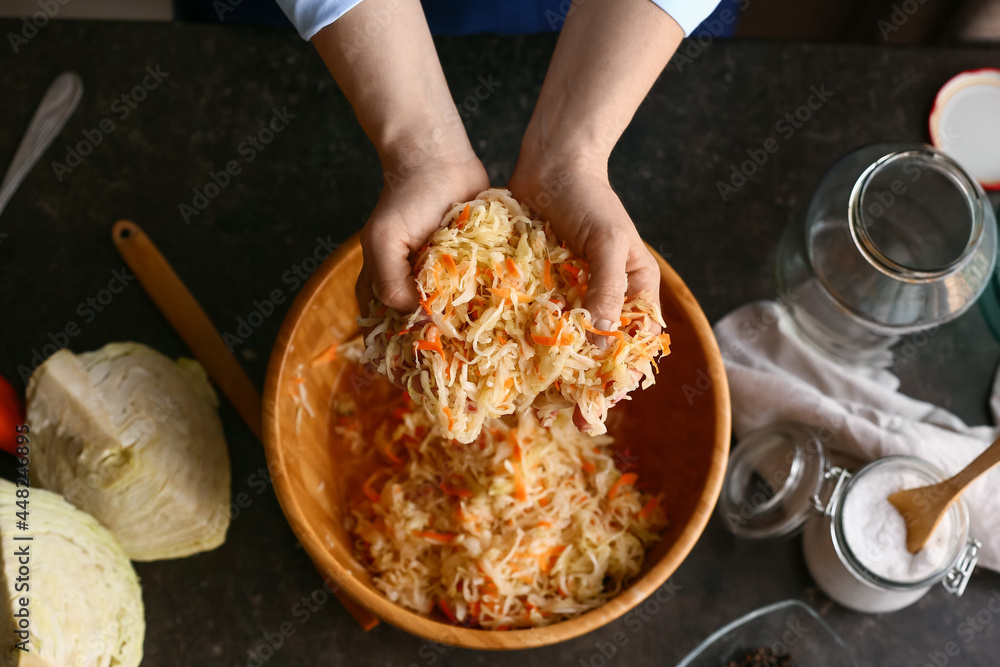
(677, 433)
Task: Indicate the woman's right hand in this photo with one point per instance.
(417, 193)
(383, 58)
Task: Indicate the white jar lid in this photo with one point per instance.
(965, 123)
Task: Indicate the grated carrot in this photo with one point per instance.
(615, 334)
(519, 491)
(649, 507)
(449, 266)
(455, 491)
(368, 487)
(447, 611)
(326, 356)
(627, 478)
(512, 267)
(432, 342)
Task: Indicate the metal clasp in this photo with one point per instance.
(829, 506)
(958, 577)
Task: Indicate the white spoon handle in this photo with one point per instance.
(54, 110)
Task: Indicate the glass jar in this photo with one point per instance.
(771, 479)
(897, 239)
(846, 563)
(780, 482)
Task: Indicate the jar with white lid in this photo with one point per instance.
(780, 481)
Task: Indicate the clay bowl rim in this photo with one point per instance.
(437, 631)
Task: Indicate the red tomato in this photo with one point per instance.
(11, 416)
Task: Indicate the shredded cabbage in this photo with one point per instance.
(501, 326)
(524, 527)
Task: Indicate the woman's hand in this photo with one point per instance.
(595, 82)
(414, 200)
(577, 200)
(382, 56)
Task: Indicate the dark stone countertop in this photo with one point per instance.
(319, 178)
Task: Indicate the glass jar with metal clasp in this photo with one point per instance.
(780, 482)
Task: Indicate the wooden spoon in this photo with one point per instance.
(924, 507)
(188, 319)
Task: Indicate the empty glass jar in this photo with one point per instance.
(897, 239)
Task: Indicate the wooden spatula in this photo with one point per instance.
(187, 318)
(923, 508)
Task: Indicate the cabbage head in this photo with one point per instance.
(84, 604)
(133, 438)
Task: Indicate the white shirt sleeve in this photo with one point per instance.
(688, 13)
(311, 16)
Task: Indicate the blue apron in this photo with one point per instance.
(445, 17)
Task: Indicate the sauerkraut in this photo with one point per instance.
(501, 326)
(526, 526)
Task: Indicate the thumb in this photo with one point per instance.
(606, 290)
(387, 263)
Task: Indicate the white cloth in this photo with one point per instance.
(774, 375)
(311, 16)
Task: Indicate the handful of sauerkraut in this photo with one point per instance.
(501, 326)
(524, 527)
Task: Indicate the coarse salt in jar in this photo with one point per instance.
(856, 549)
(854, 541)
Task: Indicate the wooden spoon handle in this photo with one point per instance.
(989, 458)
(188, 319)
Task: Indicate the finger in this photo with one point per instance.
(392, 278)
(644, 276)
(606, 289)
(363, 290)
(364, 294)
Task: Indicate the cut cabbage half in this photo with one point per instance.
(134, 439)
(84, 603)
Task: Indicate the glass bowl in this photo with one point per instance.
(790, 628)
